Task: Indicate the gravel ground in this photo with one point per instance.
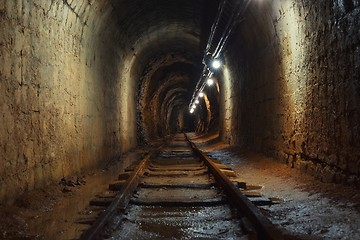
(309, 209)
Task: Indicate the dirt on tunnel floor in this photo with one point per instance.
(55, 212)
(309, 209)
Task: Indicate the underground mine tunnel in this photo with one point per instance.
(89, 86)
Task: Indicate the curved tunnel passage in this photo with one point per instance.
(167, 87)
(85, 81)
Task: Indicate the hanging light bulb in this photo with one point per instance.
(216, 64)
(197, 101)
(191, 110)
(201, 94)
(210, 82)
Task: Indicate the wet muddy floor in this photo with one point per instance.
(309, 209)
(155, 222)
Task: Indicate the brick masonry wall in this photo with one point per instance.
(60, 98)
(291, 88)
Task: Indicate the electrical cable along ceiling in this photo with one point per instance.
(228, 16)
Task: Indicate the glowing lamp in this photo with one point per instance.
(216, 64)
(210, 82)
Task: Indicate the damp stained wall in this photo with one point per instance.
(291, 89)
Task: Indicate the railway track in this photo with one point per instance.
(177, 192)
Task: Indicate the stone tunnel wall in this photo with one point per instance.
(291, 86)
(62, 108)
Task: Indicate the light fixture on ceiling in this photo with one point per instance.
(216, 64)
(230, 14)
(210, 81)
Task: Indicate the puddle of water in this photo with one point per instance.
(218, 222)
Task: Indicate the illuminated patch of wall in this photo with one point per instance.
(127, 106)
(208, 109)
(227, 108)
(291, 33)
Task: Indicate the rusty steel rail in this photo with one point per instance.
(264, 228)
(121, 200)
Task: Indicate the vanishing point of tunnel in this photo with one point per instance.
(89, 86)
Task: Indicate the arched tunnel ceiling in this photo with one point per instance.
(166, 39)
(143, 16)
(161, 24)
(76, 75)
(152, 46)
(166, 77)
